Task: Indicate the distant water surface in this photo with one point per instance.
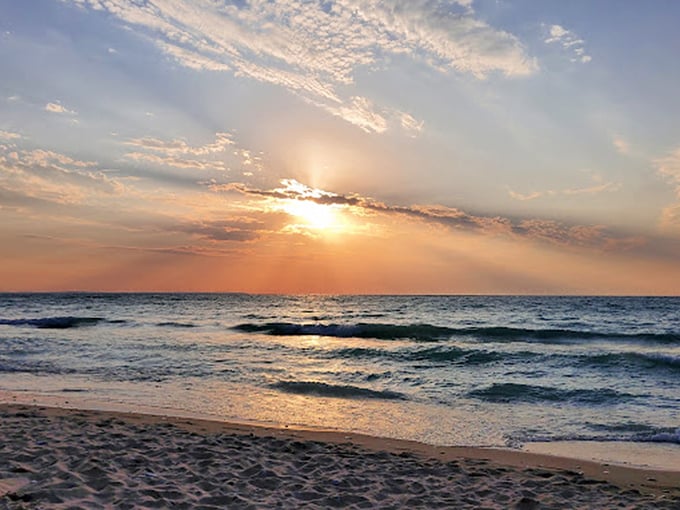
(458, 370)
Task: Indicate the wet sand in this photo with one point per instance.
(71, 458)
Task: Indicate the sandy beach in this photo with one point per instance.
(54, 457)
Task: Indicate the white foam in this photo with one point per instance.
(664, 456)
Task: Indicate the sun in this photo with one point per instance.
(314, 216)
(314, 212)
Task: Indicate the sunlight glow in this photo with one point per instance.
(313, 215)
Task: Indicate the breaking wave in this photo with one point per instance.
(432, 333)
(632, 432)
(173, 324)
(54, 322)
(333, 390)
(508, 393)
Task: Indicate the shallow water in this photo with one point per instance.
(463, 370)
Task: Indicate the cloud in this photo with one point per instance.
(179, 146)
(535, 229)
(58, 108)
(557, 33)
(598, 186)
(594, 190)
(409, 123)
(49, 176)
(177, 162)
(179, 154)
(621, 145)
(45, 158)
(530, 196)
(314, 48)
(191, 59)
(668, 167)
(237, 230)
(589, 190)
(359, 112)
(570, 42)
(9, 135)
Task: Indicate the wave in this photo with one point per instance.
(624, 427)
(432, 333)
(627, 359)
(635, 433)
(39, 367)
(337, 391)
(457, 355)
(55, 322)
(362, 330)
(445, 355)
(172, 324)
(665, 436)
(512, 393)
(435, 355)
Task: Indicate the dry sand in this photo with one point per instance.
(70, 458)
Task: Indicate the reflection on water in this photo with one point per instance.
(468, 370)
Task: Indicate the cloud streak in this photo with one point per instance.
(178, 153)
(59, 108)
(52, 177)
(589, 190)
(570, 42)
(314, 49)
(550, 231)
(9, 135)
(235, 230)
(621, 145)
(668, 167)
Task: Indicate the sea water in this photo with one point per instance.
(454, 370)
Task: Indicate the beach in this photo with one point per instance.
(57, 457)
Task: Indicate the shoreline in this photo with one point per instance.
(637, 477)
(562, 475)
(577, 456)
(594, 458)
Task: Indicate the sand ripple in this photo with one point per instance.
(95, 460)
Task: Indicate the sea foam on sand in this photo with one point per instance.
(53, 457)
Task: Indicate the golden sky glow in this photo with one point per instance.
(339, 147)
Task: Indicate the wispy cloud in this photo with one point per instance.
(180, 154)
(179, 146)
(314, 49)
(177, 162)
(59, 108)
(598, 186)
(409, 123)
(52, 177)
(536, 229)
(234, 229)
(588, 190)
(668, 167)
(571, 42)
(360, 112)
(621, 145)
(9, 135)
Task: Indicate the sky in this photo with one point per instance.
(340, 146)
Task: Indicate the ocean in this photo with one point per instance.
(447, 370)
